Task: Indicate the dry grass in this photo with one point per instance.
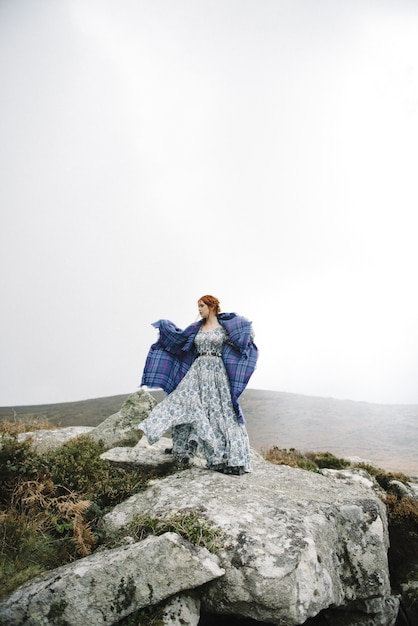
(307, 461)
(15, 426)
(37, 501)
(292, 458)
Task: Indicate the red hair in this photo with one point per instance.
(212, 303)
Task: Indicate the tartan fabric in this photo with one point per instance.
(170, 358)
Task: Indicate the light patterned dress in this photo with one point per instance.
(201, 414)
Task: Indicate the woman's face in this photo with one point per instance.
(204, 310)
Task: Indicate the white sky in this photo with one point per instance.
(265, 151)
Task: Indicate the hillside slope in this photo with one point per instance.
(384, 434)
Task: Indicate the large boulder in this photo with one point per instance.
(296, 543)
(107, 586)
(121, 428)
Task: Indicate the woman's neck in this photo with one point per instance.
(211, 321)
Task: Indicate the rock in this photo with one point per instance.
(413, 486)
(182, 610)
(107, 586)
(355, 460)
(353, 476)
(146, 456)
(373, 612)
(398, 488)
(44, 440)
(409, 591)
(402, 490)
(296, 542)
(121, 428)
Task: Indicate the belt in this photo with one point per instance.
(210, 353)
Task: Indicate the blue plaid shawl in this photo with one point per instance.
(170, 358)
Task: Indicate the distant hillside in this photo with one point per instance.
(385, 434)
(93, 412)
(81, 413)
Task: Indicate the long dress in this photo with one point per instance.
(200, 412)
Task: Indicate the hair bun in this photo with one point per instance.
(212, 303)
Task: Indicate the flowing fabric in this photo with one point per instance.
(200, 410)
(170, 358)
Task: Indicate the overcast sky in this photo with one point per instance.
(264, 151)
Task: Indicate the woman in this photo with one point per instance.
(204, 369)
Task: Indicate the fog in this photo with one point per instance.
(155, 151)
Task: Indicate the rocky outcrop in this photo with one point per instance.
(296, 546)
(121, 429)
(107, 586)
(295, 542)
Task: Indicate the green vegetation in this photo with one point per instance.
(77, 465)
(187, 524)
(51, 504)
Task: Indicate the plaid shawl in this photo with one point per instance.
(170, 358)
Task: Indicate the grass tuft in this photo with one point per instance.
(308, 461)
(188, 524)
